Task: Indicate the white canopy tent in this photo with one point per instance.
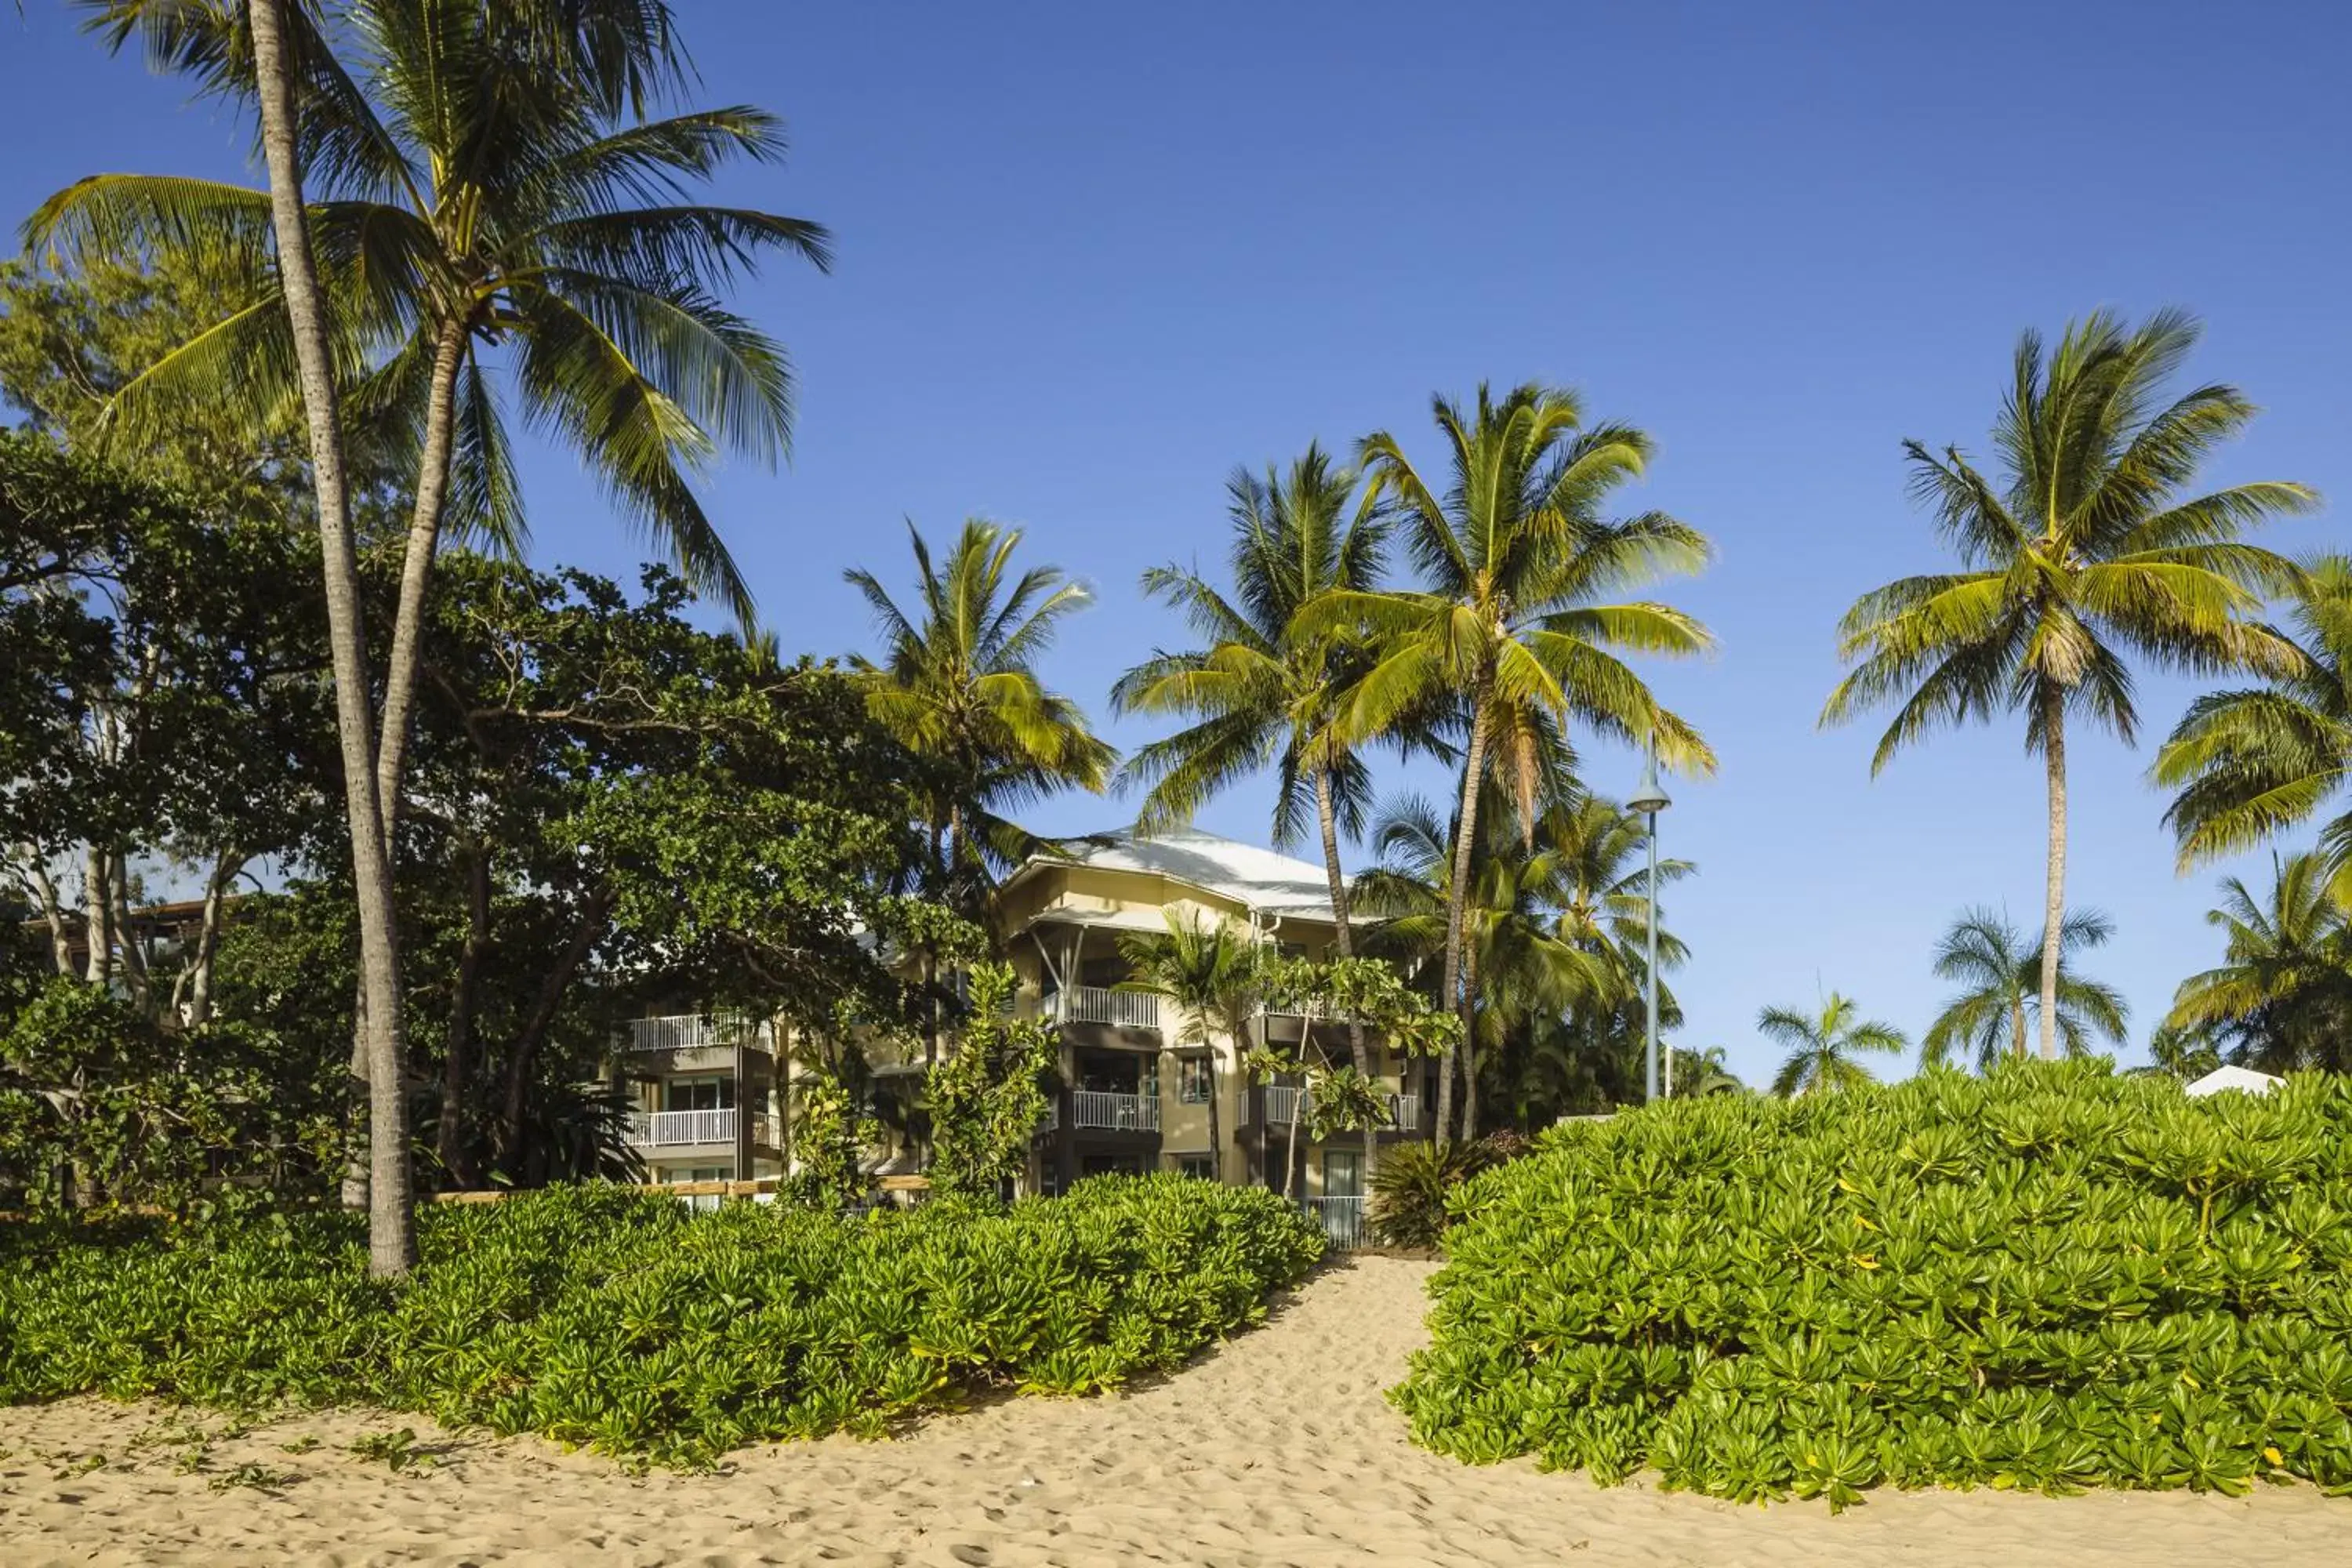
(2244, 1078)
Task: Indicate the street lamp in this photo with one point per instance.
(1649, 799)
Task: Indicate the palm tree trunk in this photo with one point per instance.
(392, 1238)
(1469, 1045)
(1344, 940)
(1216, 1140)
(416, 571)
(2054, 741)
(1466, 829)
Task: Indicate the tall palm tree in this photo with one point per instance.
(494, 195)
(957, 686)
(1601, 885)
(2086, 554)
(2248, 764)
(2000, 975)
(1509, 626)
(1822, 1045)
(1705, 1072)
(1208, 973)
(1263, 689)
(2283, 994)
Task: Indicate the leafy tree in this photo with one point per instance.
(2085, 554)
(2251, 763)
(1510, 629)
(2282, 998)
(490, 179)
(1700, 1073)
(1822, 1045)
(1213, 977)
(985, 1099)
(2182, 1052)
(1265, 689)
(830, 1136)
(1989, 957)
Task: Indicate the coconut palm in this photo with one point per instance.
(1602, 884)
(1700, 1073)
(957, 686)
(1822, 1045)
(2000, 975)
(2084, 555)
(1261, 690)
(1510, 627)
(1210, 974)
(2248, 764)
(2282, 998)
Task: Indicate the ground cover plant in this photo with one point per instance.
(617, 1319)
(2050, 1278)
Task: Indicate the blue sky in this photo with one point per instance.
(1092, 257)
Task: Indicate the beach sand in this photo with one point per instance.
(1275, 1449)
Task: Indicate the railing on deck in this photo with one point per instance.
(1101, 1005)
(1404, 1112)
(1342, 1220)
(662, 1129)
(1285, 1104)
(1124, 1113)
(694, 1031)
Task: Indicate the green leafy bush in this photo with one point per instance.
(2052, 1278)
(1418, 1184)
(617, 1319)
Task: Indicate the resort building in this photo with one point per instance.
(1137, 1087)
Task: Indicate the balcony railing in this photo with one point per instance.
(1342, 1220)
(665, 1128)
(1123, 1113)
(1283, 1104)
(694, 1031)
(1101, 1005)
(1404, 1112)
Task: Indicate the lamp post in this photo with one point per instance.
(1650, 799)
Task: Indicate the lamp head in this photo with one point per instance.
(1650, 796)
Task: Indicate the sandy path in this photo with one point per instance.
(1276, 1449)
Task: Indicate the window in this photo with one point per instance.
(1343, 1174)
(698, 1094)
(1200, 1167)
(1192, 1080)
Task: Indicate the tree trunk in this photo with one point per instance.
(96, 917)
(54, 916)
(1474, 765)
(449, 1140)
(200, 969)
(392, 1236)
(1344, 940)
(542, 1015)
(2053, 737)
(417, 573)
(1216, 1139)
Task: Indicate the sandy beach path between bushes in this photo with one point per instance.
(1277, 1448)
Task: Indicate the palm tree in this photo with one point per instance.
(957, 686)
(1705, 1072)
(2000, 975)
(1210, 976)
(2283, 996)
(494, 188)
(1508, 629)
(1822, 1046)
(1601, 885)
(2249, 763)
(1262, 691)
(2085, 556)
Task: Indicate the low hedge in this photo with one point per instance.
(2052, 1278)
(617, 1319)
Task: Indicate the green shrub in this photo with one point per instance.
(1416, 1184)
(617, 1319)
(2052, 1278)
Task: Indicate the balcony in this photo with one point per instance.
(1119, 1112)
(681, 1129)
(1404, 1112)
(694, 1031)
(1101, 1005)
(1283, 1105)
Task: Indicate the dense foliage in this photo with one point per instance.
(2049, 1277)
(620, 1321)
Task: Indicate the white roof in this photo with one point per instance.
(2238, 1078)
(1244, 873)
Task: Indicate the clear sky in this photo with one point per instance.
(1091, 257)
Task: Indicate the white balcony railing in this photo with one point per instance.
(694, 1031)
(1283, 1104)
(1101, 1005)
(1124, 1113)
(669, 1128)
(1404, 1112)
(1342, 1219)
